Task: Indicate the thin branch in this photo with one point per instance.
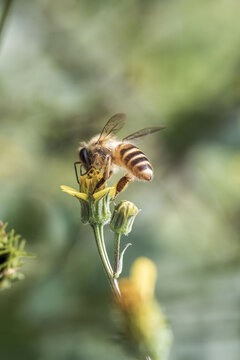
(5, 13)
(116, 253)
(98, 233)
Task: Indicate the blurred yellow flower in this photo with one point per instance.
(143, 319)
(144, 275)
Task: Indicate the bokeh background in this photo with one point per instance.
(65, 68)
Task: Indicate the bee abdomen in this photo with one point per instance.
(135, 161)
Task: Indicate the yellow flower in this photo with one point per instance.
(144, 276)
(143, 319)
(139, 288)
(95, 204)
(87, 184)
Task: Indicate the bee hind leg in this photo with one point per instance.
(103, 180)
(123, 183)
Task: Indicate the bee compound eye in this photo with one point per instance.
(83, 154)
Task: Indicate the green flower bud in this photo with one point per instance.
(123, 217)
(99, 209)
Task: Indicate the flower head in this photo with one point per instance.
(95, 205)
(87, 186)
(143, 319)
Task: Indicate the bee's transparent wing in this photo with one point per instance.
(143, 132)
(114, 124)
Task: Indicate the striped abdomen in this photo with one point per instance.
(134, 160)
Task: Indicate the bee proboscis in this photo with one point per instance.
(105, 152)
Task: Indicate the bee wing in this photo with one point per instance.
(144, 132)
(114, 124)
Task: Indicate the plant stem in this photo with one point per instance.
(5, 12)
(104, 248)
(117, 238)
(98, 233)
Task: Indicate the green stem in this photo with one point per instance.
(98, 233)
(117, 238)
(104, 247)
(5, 14)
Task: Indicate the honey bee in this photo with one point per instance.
(105, 152)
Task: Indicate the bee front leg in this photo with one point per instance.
(123, 183)
(76, 172)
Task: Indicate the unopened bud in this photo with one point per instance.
(123, 217)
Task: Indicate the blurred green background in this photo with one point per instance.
(65, 68)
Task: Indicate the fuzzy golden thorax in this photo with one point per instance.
(96, 153)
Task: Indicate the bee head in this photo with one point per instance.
(84, 157)
(92, 154)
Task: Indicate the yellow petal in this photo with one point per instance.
(74, 192)
(144, 275)
(99, 194)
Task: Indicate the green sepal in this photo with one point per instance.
(84, 211)
(99, 210)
